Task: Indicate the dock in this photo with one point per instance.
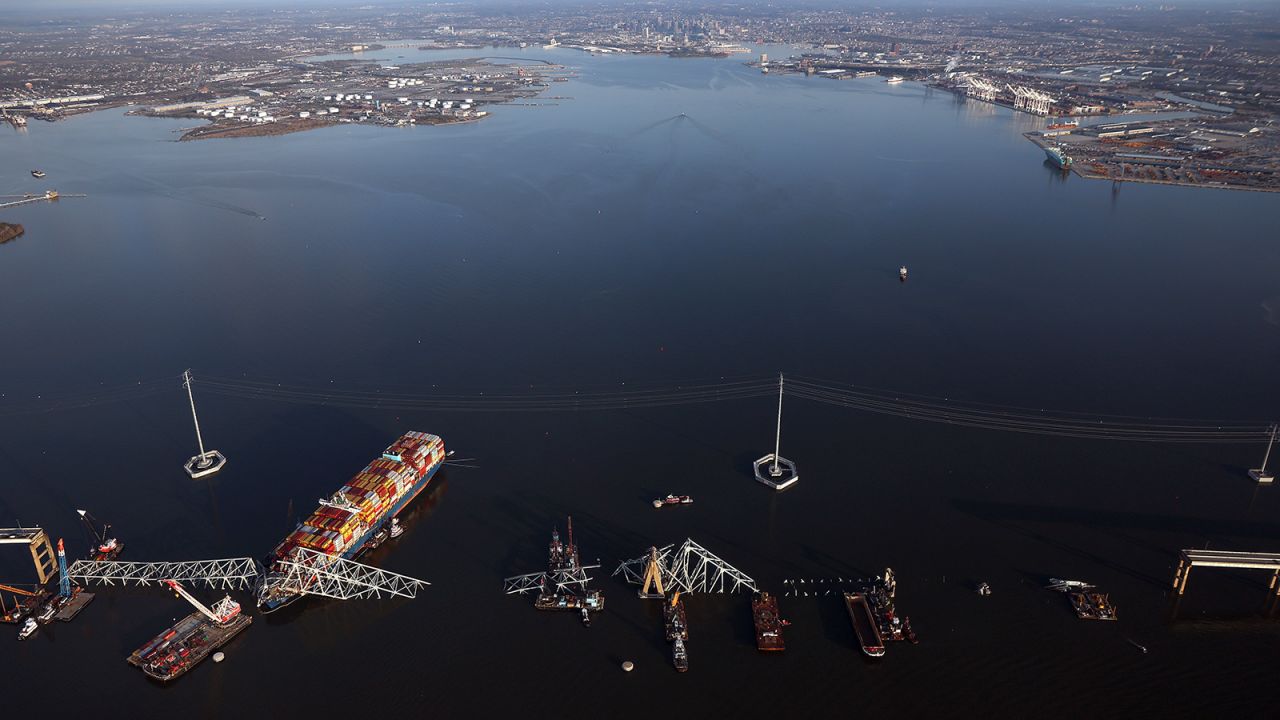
(47, 195)
(1227, 559)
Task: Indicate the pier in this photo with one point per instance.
(1227, 559)
(49, 195)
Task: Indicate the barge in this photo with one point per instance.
(675, 620)
(344, 523)
(764, 611)
(174, 652)
(864, 624)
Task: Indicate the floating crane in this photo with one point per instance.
(223, 611)
(104, 546)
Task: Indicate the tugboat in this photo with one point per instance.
(396, 528)
(673, 500)
(984, 589)
(104, 548)
(764, 610)
(902, 273)
(29, 628)
(679, 656)
(37, 173)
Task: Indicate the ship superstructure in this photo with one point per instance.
(342, 525)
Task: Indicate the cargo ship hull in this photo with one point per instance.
(430, 446)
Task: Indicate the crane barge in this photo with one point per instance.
(104, 547)
(182, 647)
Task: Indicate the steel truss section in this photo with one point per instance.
(689, 568)
(228, 574)
(313, 573)
(563, 580)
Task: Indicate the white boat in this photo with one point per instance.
(902, 272)
(396, 528)
(28, 629)
(894, 79)
(1065, 585)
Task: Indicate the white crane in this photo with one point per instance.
(223, 611)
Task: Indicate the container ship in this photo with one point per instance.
(864, 624)
(342, 526)
(764, 610)
(1057, 157)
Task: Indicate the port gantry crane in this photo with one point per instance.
(689, 568)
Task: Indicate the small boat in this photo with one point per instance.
(673, 500)
(29, 628)
(1065, 585)
(396, 528)
(37, 173)
(902, 273)
(894, 79)
(47, 612)
(680, 656)
(586, 616)
(984, 589)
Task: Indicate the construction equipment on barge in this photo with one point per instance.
(769, 624)
(883, 601)
(182, 647)
(1086, 601)
(674, 619)
(563, 586)
(317, 557)
(104, 547)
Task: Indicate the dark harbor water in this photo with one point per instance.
(676, 220)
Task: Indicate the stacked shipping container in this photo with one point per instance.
(366, 500)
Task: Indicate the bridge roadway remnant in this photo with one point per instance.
(228, 573)
(1226, 559)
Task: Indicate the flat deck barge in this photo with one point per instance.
(72, 607)
(175, 651)
(764, 611)
(864, 624)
